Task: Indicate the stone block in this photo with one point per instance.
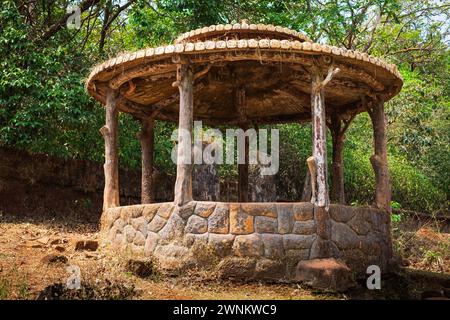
(343, 236)
(242, 268)
(273, 245)
(156, 224)
(248, 246)
(296, 241)
(260, 209)
(149, 211)
(219, 220)
(139, 239)
(359, 224)
(150, 243)
(267, 269)
(120, 224)
(240, 222)
(221, 243)
(285, 218)
(325, 274)
(341, 213)
(191, 239)
(129, 232)
(303, 211)
(196, 224)
(204, 209)
(186, 210)
(304, 227)
(140, 224)
(165, 210)
(266, 225)
(136, 211)
(173, 229)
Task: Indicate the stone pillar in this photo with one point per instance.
(146, 139)
(183, 183)
(111, 166)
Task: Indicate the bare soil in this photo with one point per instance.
(34, 256)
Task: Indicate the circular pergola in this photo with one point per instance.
(246, 75)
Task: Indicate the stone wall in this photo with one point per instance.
(249, 240)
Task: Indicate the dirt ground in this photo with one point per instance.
(34, 256)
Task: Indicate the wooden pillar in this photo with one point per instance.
(338, 127)
(111, 166)
(240, 104)
(320, 194)
(243, 173)
(379, 158)
(317, 164)
(183, 183)
(146, 138)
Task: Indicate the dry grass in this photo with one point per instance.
(23, 275)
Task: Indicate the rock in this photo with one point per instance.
(204, 209)
(136, 211)
(191, 239)
(196, 224)
(285, 218)
(172, 257)
(174, 228)
(236, 267)
(240, 222)
(112, 215)
(129, 233)
(140, 224)
(343, 236)
(43, 240)
(187, 210)
(120, 224)
(221, 243)
(273, 245)
(325, 274)
(269, 269)
(54, 259)
(219, 221)
(304, 227)
(322, 248)
(266, 225)
(248, 245)
(359, 224)
(139, 239)
(296, 241)
(341, 213)
(260, 209)
(86, 245)
(156, 224)
(142, 269)
(303, 211)
(150, 243)
(149, 211)
(165, 209)
(60, 249)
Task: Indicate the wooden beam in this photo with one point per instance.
(146, 139)
(111, 166)
(183, 183)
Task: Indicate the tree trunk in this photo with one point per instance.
(379, 158)
(243, 173)
(306, 194)
(183, 183)
(111, 166)
(338, 139)
(146, 138)
(319, 140)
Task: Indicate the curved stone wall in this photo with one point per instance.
(251, 240)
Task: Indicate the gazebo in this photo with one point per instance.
(245, 75)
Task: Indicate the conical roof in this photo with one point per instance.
(268, 64)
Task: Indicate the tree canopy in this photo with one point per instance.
(44, 107)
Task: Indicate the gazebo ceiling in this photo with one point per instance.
(266, 67)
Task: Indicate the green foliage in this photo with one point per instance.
(44, 106)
